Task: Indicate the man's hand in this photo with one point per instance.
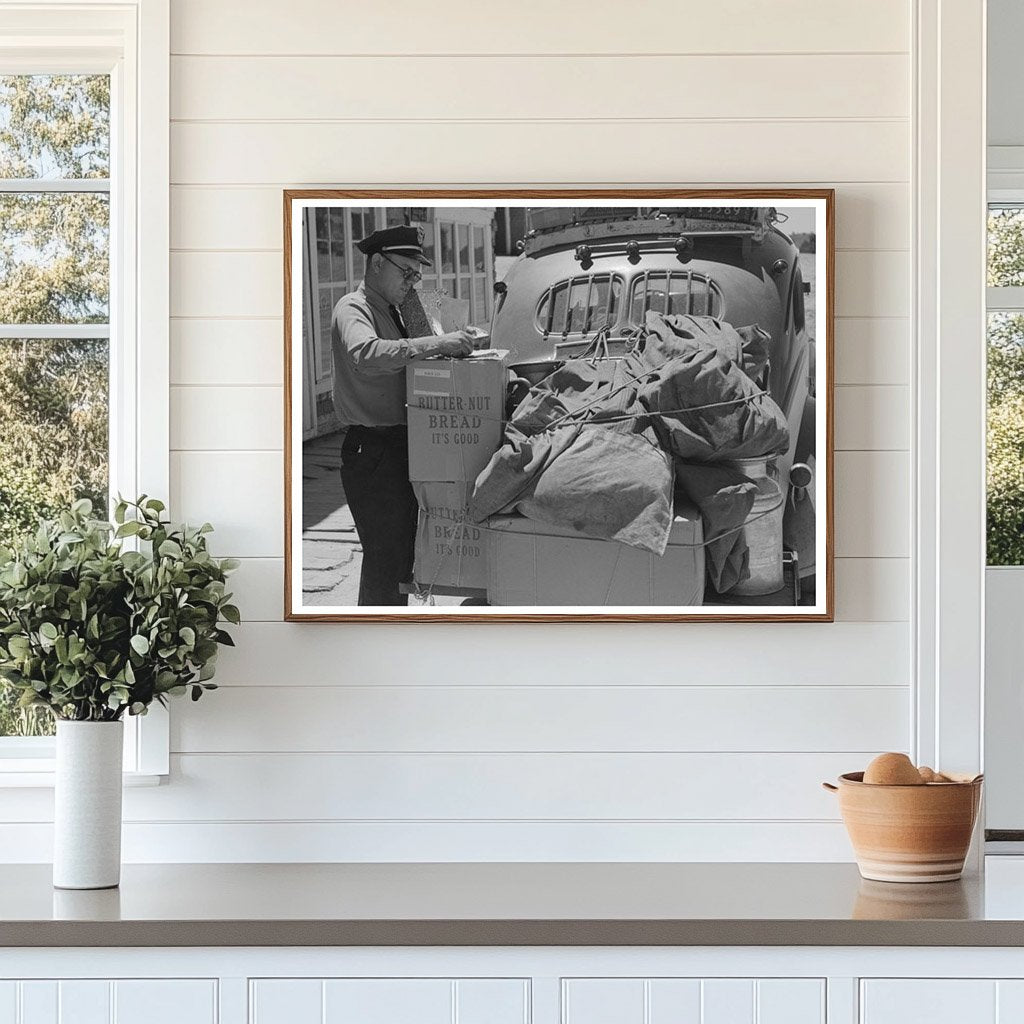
(455, 344)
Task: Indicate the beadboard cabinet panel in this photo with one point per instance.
(930, 1001)
(693, 1001)
(102, 1001)
(389, 1001)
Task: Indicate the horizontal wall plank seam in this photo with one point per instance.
(487, 687)
(279, 558)
(839, 558)
(228, 822)
(582, 751)
(568, 55)
(305, 121)
(224, 186)
(280, 318)
(519, 754)
(625, 687)
(528, 183)
(278, 451)
(276, 250)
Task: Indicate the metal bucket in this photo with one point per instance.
(756, 468)
(763, 534)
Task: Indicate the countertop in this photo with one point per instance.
(557, 904)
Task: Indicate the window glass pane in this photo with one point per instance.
(326, 307)
(395, 216)
(447, 249)
(603, 306)
(337, 223)
(559, 297)
(1005, 246)
(362, 225)
(1005, 477)
(463, 247)
(53, 449)
(323, 246)
(428, 247)
(479, 262)
(686, 293)
(54, 265)
(577, 305)
(54, 126)
(479, 299)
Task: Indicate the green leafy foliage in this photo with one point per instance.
(1005, 247)
(90, 630)
(54, 268)
(1005, 483)
(53, 445)
(1005, 470)
(1005, 441)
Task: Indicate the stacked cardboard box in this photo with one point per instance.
(534, 564)
(456, 412)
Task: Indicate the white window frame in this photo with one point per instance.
(130, 41)
(949, 401)
(1004, 584)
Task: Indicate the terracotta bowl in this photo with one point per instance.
(909, 833)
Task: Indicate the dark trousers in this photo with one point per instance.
(375, 475)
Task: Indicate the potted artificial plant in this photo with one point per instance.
(93, 631)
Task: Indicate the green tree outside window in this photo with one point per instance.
(1005, 470)
(54, 272)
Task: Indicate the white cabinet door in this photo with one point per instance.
(693, 1001)
(101, 1001)
(389, 1001)
(929, 1001)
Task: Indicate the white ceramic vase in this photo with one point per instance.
(87, 805)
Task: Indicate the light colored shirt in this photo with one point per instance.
(370, 356)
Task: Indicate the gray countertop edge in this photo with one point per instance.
(511, 933)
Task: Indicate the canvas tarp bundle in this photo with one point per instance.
(592, 446)
(564, 463)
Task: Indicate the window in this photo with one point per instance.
(674, 292)
(581, 305)
(83, 263)
(1005, 470)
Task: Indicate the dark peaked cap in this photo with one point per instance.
(401, 241)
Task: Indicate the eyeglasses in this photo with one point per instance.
(408, 273)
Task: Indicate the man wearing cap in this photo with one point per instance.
(372, 348)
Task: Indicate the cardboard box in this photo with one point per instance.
(449, 552)
(534, 564)
(456, 415)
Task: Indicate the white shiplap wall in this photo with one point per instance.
(603, 742)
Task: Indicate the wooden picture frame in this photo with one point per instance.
(712, 243)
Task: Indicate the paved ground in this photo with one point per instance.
(331, 553)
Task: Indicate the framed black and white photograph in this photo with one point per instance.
(559, 405)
